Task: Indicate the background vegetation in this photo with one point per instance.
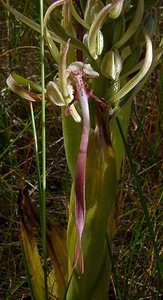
(134, 258)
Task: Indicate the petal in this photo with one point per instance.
(54, 94)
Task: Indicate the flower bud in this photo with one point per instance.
(116, 10)
(111, 64)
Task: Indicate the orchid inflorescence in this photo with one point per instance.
(103, 50)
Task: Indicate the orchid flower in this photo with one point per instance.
(76, 72)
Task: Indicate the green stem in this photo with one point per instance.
(43, 206)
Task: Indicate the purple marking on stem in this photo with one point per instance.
(81, 168)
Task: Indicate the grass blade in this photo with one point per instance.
(114, 269)
(142, 201)
(36, 155)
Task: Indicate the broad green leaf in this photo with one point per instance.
(56, 246)
(100, 197)
(57, 249)
(72, 133)
(33, 260)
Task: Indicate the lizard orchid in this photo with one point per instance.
(103, 51)
(76, 91)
